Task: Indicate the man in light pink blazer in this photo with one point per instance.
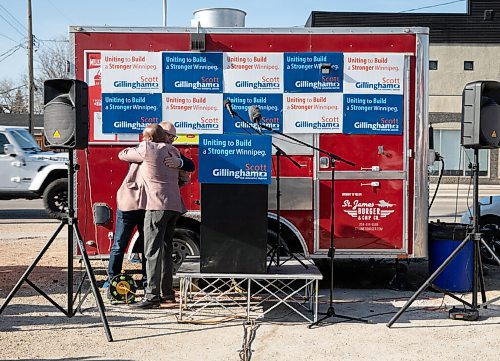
(130, 212)
(163, 204)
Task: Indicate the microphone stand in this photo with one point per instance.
(276, 249)
(331, 252)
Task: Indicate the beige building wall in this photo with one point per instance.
(448, 81)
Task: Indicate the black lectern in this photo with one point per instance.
(234, 172)
(233, 228)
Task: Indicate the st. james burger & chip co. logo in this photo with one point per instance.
(367, 211)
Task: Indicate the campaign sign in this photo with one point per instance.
(313, 72)
(312, 113)
(271, 108)
(194, 113)
(253, 72)
(129, 113)
(373, 73)
(192, 73)
(234, 159)
(130, 72)
(373, 114)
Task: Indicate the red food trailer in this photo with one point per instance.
(360, 93)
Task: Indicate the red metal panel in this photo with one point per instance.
(288, 169)
(366, 217)
(385, 151)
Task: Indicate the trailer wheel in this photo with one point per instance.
(185, 243)
(55, 198)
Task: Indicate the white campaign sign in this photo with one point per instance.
(373, 73)
(131, 72)
(98, 134)
(312, 113)
(194, 113)
(253, 72)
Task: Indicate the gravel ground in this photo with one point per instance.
(32, 329)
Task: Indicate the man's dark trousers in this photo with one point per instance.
(159, 227)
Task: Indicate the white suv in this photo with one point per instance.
(28, 172)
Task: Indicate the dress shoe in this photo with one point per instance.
(167, 299)
(146, 304)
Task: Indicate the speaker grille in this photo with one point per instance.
(59, 121)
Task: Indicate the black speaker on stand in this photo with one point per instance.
(480, 130)
(66, 127)
(66, 114)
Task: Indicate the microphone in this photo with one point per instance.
(227, 105)
(254, 114)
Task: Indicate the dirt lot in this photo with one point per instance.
(32, 329)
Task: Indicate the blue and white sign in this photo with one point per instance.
(313, 72)
(129, 113)
(312, 113)
(373, 114)
(235, 159)
(192, 73)
(373, 73)
(194, 113)
(271, 108)
(253, 72)
(130, 72)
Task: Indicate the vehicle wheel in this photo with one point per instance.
(489, 226)
(185, 243)
(55, 198)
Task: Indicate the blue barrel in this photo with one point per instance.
(444, 238)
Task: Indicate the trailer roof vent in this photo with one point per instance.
(198, 41)
(219, 18)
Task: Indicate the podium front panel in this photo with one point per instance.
(233, 228)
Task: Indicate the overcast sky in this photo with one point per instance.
(51, 18)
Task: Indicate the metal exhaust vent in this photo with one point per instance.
(198, 42)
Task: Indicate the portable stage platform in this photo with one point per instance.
(241, 295)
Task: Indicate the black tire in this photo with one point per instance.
(55, 198)
(490, 228)
(185, 243)
(272, 243)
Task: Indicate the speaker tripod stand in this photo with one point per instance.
(72, 223)
(472, 312)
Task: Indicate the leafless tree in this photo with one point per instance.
(52, 59)
(12, 97)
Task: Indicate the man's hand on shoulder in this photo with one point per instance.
(172, 162)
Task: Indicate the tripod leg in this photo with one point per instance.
(272, 258)
(26, 273)
(429, 281)
(93, 284)
(481, 273)
(298, 260)
(488, 248)
(493, 254)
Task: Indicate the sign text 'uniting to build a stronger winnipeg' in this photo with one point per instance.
(324, 92)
